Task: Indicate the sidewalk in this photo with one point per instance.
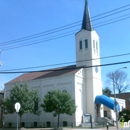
(110, 128)
(103, 128)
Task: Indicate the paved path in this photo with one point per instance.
(112, 128)
(104, 128)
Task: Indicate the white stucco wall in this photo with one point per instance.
(43, 86)
(92, 74)
(122, 104)
(79, 96)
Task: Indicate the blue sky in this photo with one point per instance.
(21, 18)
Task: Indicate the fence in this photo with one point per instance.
(125, 124)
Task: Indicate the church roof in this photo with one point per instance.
(46, 74)
(125, 96)
(86, 23)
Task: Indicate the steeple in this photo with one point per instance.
(86, 23)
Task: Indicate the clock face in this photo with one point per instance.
(96, 69)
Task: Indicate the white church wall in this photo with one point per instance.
(43, 86)
(93, 74)
(59, 83)
(7, 89)
(95, 45)
(101, 111)
(97, 90)
(92, 92)
(110, 113)
(79, 96)
(85, 53)
(89, 97)
(122, 104)
(10, 118)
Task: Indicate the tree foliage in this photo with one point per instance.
(59, 103)
(107, 91)
(125, 114)
(119, 80)
(28, 100)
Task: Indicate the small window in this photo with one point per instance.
(35, 124)
(10, 124)
(86, 43)
(36, 106)
(48, 124)
(49, 92)
(23, 124)
(94, 44)
(105, 113)
(80, 45)
(65, 123)
(64, 91)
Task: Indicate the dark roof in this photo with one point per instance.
(46, 74)
(86, 23)
(125, 96)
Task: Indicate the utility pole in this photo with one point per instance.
(115, 102)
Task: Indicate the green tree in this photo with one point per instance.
(107, 91)
(125, 114)
(28, 100)
(59, 103)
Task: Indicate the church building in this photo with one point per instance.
(82, 81)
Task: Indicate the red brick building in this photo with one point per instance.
(125, 96)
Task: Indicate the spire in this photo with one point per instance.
(86, 23)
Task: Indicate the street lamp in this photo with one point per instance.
(17, 108)
(115, 105)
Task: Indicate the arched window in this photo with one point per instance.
(65, 123)
(96, 45)
(35, 124)
(64, 91)
(36, 106)
(93, 44)
(48, 124)
(10, 124)
(48, 92)
(80, 45)
(23, 124)
(86, 43)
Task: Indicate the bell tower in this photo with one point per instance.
(88, 57)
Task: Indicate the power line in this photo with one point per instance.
(13, 47)
(112, 19)
(102, 65)
(37, 42)
(113, 22)
(18, 46)
(57, 29)
(106, 57)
